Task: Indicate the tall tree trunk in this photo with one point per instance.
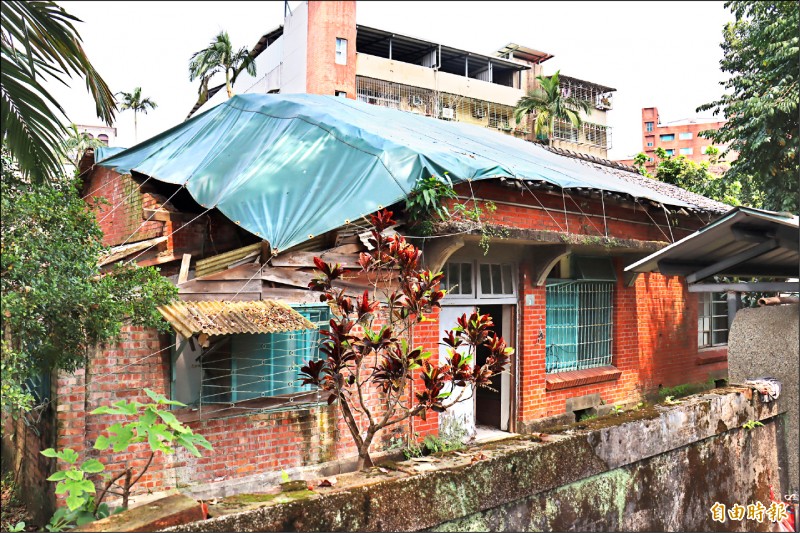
(135, 127)
(228, 83)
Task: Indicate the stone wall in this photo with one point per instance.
(661, 468)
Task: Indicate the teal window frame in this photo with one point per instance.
(648, 126)
(667, 137)
(579, 324)
(265, 365)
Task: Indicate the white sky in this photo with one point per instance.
(663, 54)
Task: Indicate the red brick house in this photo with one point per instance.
(586, 333)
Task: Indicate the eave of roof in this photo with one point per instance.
(603, 88)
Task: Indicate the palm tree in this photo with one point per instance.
(549, 105)
(135, 101)
(76, 144)
(38, 38)
(220, 56)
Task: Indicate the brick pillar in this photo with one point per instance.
(531, 350)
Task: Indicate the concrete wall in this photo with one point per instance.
(764, 342)
(661, 471)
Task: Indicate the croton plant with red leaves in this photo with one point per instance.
(359, 357)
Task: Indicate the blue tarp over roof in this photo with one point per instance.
(290, 167)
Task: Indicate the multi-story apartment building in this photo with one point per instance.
(680, 137)
(320, 49)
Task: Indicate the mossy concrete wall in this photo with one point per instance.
(658, 469)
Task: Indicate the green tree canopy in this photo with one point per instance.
(548, 105)
(220, 56)
(39, 41)
(762, 54)
(697, 178)
(56, 303)
(138, 104)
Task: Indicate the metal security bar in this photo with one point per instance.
(590, 134)
(248, 366)
(579, 325)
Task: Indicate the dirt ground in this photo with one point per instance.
(11, 508)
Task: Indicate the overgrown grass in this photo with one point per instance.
(684, 389)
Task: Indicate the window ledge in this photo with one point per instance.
(712, 355)
(576, 378)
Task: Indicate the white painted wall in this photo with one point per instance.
(295, 49)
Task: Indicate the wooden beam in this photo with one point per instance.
(546, 257)
(732, 260)
(756, 286)
(162, 215)
(306, 259)
(183, 274)
(287, 276)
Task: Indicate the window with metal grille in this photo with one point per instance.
(579, 324)
(712, 320)
(247, 366)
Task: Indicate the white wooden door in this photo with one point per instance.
(463, 412)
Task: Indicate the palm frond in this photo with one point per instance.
(30, 128)
(47, 34)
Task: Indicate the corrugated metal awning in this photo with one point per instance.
(743, 242)
(229, 318)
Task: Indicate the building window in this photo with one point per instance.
(686, 151)
(650, 159)
(458, 280)
(685, 136)
(648, 126)
(236, 368)
(667, 137)
(341, 51)
(342, 94)
(650, 143)
(496, 279)
(579, 316)
(579, 324)
(481, 280)
(670, 151)
(103, 138)
(712, 320)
